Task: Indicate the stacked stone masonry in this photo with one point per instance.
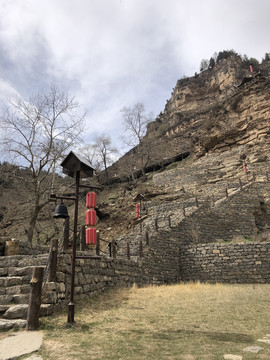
(202, 247)
(227, 263)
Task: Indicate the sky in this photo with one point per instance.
(115, 53)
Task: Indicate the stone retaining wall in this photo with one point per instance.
(244, 213)
(199, 248)
(227, 263)
(32, 249)
(158, 264)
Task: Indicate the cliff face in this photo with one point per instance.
(208, 121)
(208, 112)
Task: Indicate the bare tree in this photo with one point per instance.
(135, 121)
(37, 134)
(90, 152)
(204, 64)
(106, 152)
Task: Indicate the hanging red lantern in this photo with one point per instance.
(91, 200)
(137, 210)
(91, 236)
(91, 217)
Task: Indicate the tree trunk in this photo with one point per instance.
(35, 299)
(36, 209)
(32, 224)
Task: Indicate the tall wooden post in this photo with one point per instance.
(98, 244)
(240, 183)
(83, 241)
(71, 305)
(35, 298)
(113, 249)
(53, 261)
(147, 238)
(66, 234)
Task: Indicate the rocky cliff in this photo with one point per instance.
(192, 153)
(216, 110)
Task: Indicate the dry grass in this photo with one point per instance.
(185, 322)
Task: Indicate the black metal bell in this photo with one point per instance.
(61, 211)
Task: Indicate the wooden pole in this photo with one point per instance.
(83, 241)
(128, 251)
(240, 183)
(53, 261)
(98, 244)
(71, 305)
(66, 234)
(113, 249)
(35, 298)
(147, 238)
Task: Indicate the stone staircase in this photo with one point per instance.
(208, 180)
(15, 276)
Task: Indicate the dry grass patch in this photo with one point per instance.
(184, 322)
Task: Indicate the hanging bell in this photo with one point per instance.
(61, 211)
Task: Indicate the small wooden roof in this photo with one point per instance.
(75, 162)
(138, 197)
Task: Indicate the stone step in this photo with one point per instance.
(6, 299)
(19, 311)
(14, 285)
(3, 271)
(25, 272)
(14, 298)
(23, 260)
(16, 312)
(3, 309)
(10, 281)
(21, 298)
(6, 324)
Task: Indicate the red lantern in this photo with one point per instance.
(91, 200)
(137, 210)
(91, 236)
(90, 217)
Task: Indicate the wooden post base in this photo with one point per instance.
(71, 311)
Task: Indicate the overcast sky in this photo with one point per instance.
(115, 53)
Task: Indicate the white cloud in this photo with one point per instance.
(114, 53)
(7, 92)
